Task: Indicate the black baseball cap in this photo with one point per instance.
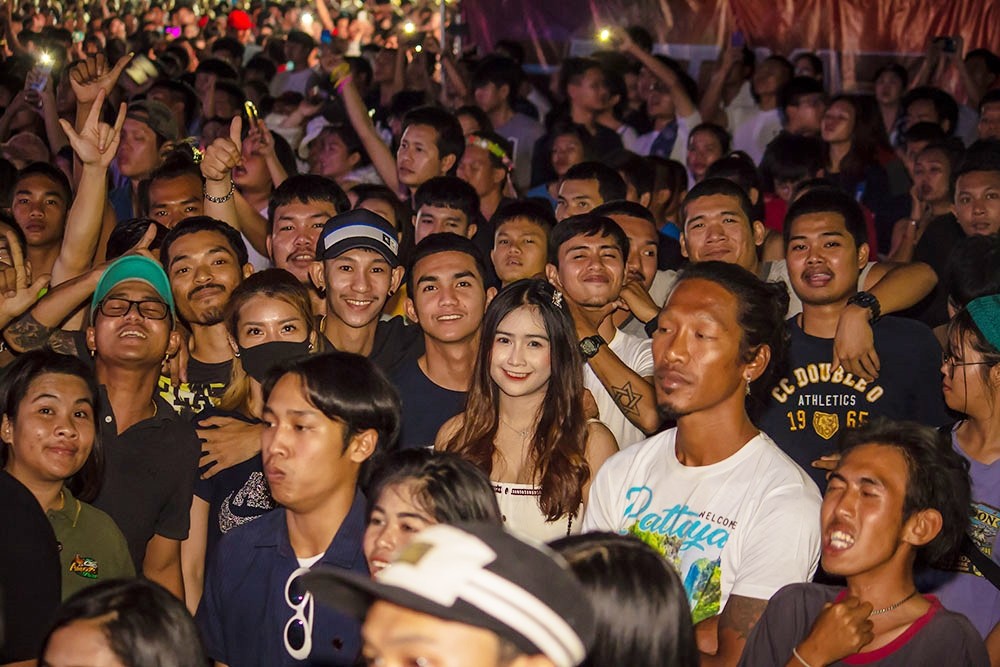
(359, 228)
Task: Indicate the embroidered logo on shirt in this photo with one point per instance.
(84, 566)
(826, 424)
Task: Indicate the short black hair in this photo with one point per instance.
(264, 64)
(991, 59)
(379, 192)
(230, 45)
(829, 200)
(923, 131)
(761, 310)
(127, 233)
(973, 269)
(348, 388)
(450, 139)
(204, 223)
(53, 173)
(482, 120)
(304, 188)
(627, 208)
(721, 135)
(175, 165)
(445, 242)
(944, 104)
(937, 478)
(499, 71)
(798, 87)
(635, 170)
(791, 158)
(610, 183)
(814, 61)
(532, 210)
(642, 37)
(572, 69)
(983, 155)
(717, 186)
(896, 69)
(448, 192)
(739, 168)
(586, 224)
(991, 97)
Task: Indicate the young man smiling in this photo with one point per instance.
(587, 265)
(898, 496)
(447, 298)
(206, 259)
(358, 268)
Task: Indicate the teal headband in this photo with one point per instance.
(985, 312)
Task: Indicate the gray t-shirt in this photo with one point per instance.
(939, 637)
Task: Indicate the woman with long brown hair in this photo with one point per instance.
(524, 422)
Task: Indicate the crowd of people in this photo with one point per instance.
(329, 341)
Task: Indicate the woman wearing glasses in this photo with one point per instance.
(269, 320)
(971, 384)
(50, 445)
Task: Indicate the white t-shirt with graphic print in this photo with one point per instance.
(744, 526)
(637, 354)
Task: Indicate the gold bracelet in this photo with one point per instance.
(222, 200)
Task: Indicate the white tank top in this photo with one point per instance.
(522, 515)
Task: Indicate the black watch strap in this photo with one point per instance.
(867, 300)
(591, 345)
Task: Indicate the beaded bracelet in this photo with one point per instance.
(222, 200)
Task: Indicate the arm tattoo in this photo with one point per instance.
(627, 400)
(741, 615)
(27, 333)
(64, 343)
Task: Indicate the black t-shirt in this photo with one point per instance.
(395, 343)
(603, 143)
(205, 386)
(149, 473)
(933, 249)
(811, 404)
(236, 495)
(425, 406)
(939, 637)
(30, 580)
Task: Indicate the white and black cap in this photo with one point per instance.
(359, 228)
(478, 575)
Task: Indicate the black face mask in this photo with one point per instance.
(259, 359)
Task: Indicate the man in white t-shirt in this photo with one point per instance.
(587, 265)
(730, 511)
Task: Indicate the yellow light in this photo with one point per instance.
(604, 35)
(418, 48)
(45, 58)
(409, 28)
(307, 19)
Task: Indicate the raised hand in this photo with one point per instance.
(97, 142)
(93, 75)
(224, 153)
(18, 292)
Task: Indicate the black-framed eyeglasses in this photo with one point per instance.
(298, 629)
(952, 363)
(151, 309)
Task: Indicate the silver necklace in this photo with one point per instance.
(886, 610)
(523, 434)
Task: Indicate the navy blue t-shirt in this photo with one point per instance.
(425, 406)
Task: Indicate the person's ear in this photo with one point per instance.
(471, 230)
(499, 175)
(447, 162)
(91, 340)
(411, 309)
(503, 95)
(758, 364)
(645, 198)
(684, 247)
(247, 270)
(173, 343)
(552, 275)
(7, 430)
(317, 276)
(362, 445)
(232, 343)
(863, 253)
(754, 195)
(922, 527)
(492, 292)
(759, 232)
(353, 159)
(267, 245)
(397, 279)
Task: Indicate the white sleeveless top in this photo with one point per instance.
(522, 515)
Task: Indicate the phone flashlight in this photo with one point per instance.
(604, 35)
(45, 59)
(409, 28)
(307, 19)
